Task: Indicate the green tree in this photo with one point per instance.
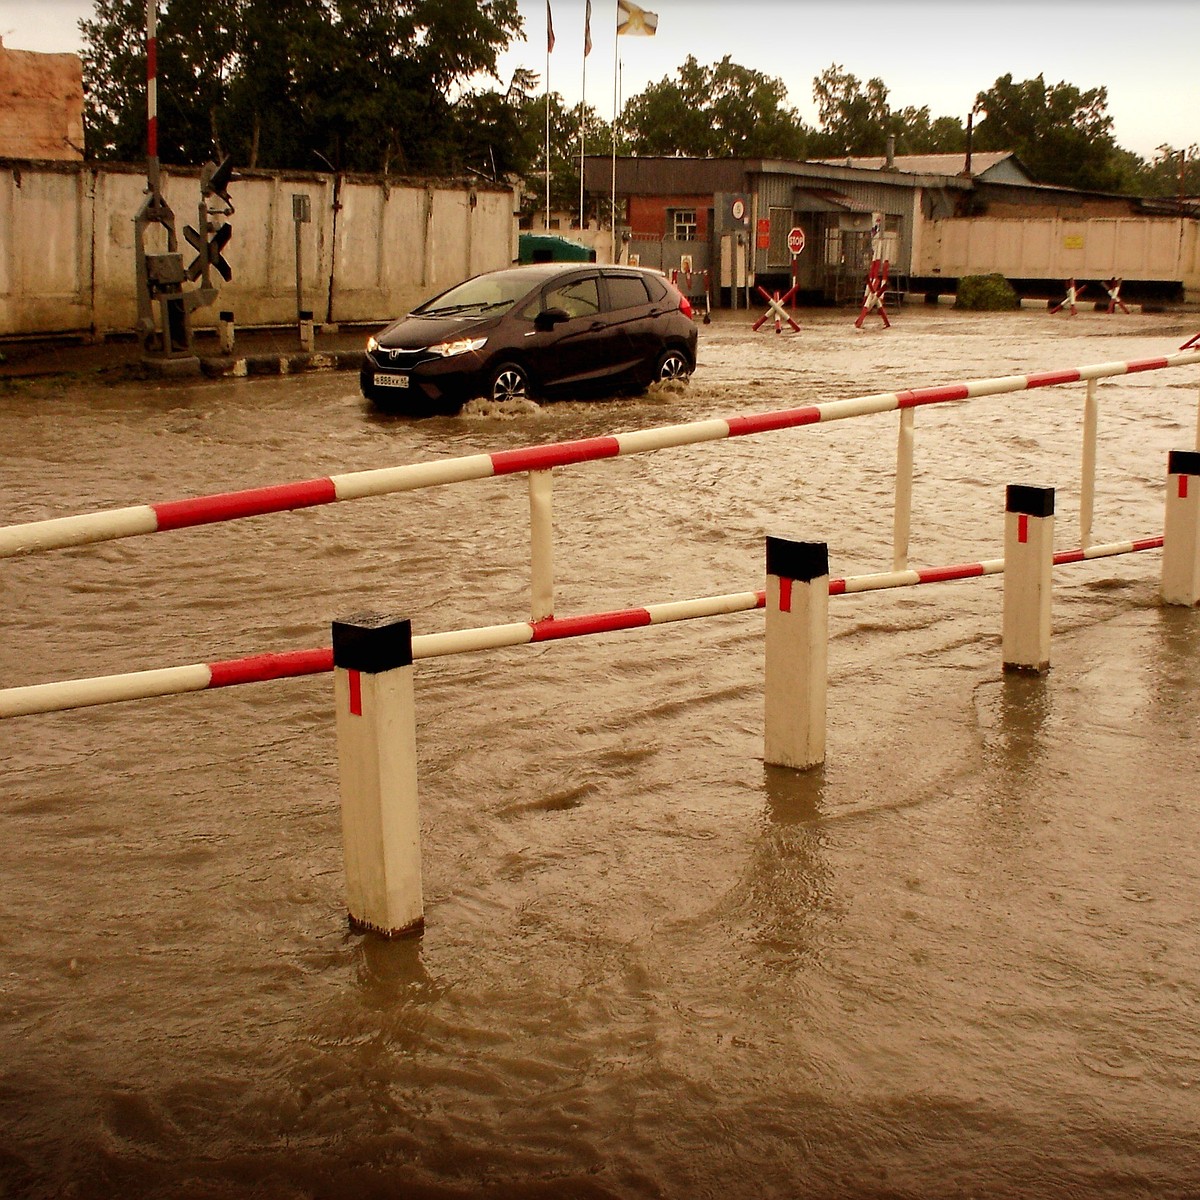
(853, 121)
(354, 84)
(564, 151)
(501, 139)
(859, 122)
(197, 42)
(715, 111)
(1062, 135)
(1170, 173)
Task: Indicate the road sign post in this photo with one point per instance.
(795, 243)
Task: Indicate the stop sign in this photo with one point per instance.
(796, 240)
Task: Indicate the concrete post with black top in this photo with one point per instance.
(377, 773)
(1181, 530)
(1028, 567)
(797, 652)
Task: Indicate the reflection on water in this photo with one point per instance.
(960, 959)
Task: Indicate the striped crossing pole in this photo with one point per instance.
(152, 95)
(1181, 530)
(293, 664)
(1028, 563)
(377, 773)
(797, 640)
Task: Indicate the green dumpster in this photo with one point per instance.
(551, 247)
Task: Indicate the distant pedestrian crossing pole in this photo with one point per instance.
(1028, 564)
(797, 640)
(1181, 530)
(377, 773)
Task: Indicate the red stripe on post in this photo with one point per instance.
(260, 667)
(558, 454)
(1022, 528)
(226, 506)
(1050, 378)
(1151, 543)
(1183, 487)
(354, 678)
(785, 594)
(789, 418)
(1069, 556)
(932, 395)
(554, 628)
(837, 587)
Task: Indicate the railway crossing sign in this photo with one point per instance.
(795, 240)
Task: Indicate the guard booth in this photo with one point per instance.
(551, 247)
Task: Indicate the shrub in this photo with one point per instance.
(986, 293)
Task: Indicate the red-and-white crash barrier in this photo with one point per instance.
(262, 668)
(372, 661)
(112, 524)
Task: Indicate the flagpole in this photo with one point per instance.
(582, 110)
(546, 219)
(616, 92)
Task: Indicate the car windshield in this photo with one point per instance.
(484, 294)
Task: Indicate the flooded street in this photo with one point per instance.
(962, 959)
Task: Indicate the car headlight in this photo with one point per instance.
(372, 344)
(459, 346)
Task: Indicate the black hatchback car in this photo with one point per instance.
(542, 331)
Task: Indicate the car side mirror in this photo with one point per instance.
(549, 317)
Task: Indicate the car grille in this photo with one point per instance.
(400, 359)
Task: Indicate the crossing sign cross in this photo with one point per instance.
(209, 251)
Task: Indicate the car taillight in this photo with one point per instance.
(685, 306)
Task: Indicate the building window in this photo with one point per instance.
(683, 224)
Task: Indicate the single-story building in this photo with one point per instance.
(727, 224)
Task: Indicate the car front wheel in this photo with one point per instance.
(672, 364)
(509, 382)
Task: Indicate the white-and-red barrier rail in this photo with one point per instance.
(67, 694)
(112, 524)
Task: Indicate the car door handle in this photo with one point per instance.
(596, 325)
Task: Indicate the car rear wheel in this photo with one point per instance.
(672, 364)
(509, 382)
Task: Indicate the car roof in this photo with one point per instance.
(536, 270)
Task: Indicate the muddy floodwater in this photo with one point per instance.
(962, 959)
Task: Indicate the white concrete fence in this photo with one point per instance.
(372, 249)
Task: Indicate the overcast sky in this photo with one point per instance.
(938, 53)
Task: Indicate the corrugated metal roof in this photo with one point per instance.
(837, 200)
(925, 164)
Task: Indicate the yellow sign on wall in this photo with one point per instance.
(1073, 241)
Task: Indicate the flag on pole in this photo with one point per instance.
(549, 29)
(639, 22)
(587, 29)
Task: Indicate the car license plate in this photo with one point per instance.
(400, 381)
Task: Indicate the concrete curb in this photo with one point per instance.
(280, 364)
